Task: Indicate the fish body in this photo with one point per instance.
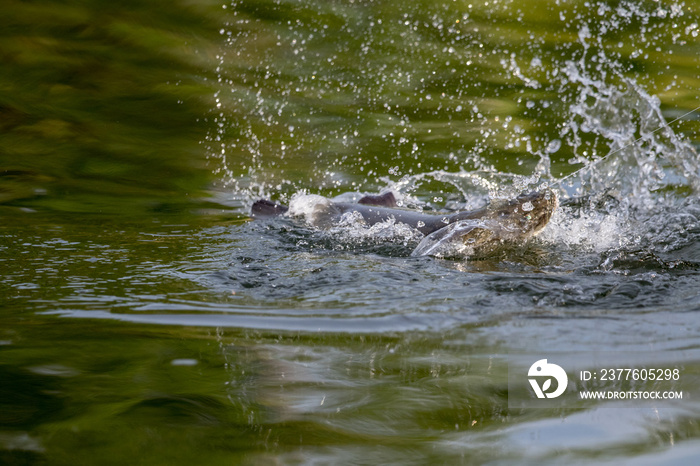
(500, 221)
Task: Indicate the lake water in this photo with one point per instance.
(146, 319)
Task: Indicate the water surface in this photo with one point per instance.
(145, 318)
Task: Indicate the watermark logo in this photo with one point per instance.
(587, 379)
(542, 369)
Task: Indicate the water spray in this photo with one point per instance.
(595, 162)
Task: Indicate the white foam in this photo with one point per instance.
(305, 205)
(352, 228)
(598, 231)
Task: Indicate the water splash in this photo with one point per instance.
(645, 154)
(325, 103)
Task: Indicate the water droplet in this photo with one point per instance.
(553, 146)
(184, 362)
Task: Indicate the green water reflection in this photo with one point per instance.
(133, 134)
(102, 107)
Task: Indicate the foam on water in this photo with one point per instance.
(350, 228)
(353, 230)
(595, 231)
(306, 205)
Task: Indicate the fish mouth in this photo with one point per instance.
(527, 214)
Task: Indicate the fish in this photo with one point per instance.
(462, 232)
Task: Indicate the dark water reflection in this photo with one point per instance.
(144, 319)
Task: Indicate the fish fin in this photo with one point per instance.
(383, 200)
(456, 238)
(265, 208)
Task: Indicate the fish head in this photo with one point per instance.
(524, 216)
